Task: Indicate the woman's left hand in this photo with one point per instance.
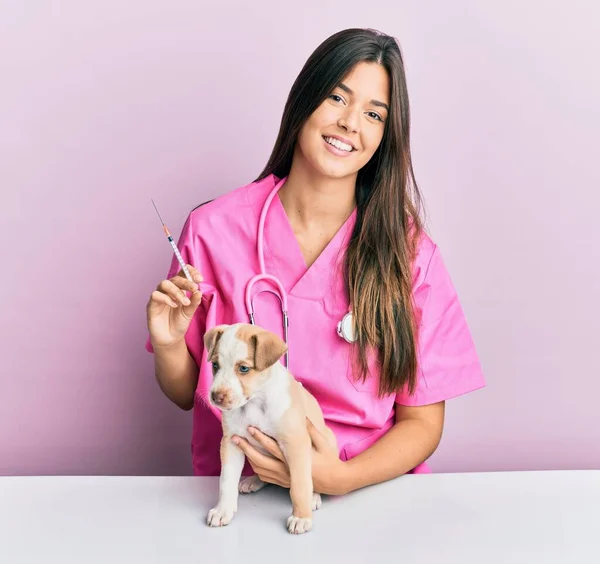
(328, 471)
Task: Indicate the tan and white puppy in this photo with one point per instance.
(252, 388)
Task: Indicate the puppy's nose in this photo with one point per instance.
(217, 397)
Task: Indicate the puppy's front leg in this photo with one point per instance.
(298, 456)
(232, 464)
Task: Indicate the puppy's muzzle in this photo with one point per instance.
(221, 397)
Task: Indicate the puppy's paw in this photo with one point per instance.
(299, 525)
(220, 516)
(316, 501)
(251, 484)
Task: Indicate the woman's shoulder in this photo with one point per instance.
(432, 281)
(234, 207)
(427, 261)
(226, 206)
(424, 247)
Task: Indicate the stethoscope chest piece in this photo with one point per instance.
(345, 328)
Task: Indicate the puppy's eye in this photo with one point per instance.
(215, 366)
(244, 369)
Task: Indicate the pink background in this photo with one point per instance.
(104, 105)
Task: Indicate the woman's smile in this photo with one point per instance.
(337, 147)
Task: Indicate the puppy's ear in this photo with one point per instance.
(268, 349)
(211, 340)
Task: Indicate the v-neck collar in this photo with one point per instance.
(284, 258)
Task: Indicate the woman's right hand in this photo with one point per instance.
(169, 311)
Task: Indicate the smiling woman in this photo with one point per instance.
(355, 106)
(342, 238)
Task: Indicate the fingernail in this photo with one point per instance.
(198, 278)
(251, 430)
(236, 441)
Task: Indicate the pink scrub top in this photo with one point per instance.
(220, 239)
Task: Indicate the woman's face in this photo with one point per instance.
(343, 133)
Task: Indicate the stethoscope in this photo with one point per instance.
(344, 327)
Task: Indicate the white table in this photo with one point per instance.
(519, 517)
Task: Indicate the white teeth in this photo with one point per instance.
(338, 144)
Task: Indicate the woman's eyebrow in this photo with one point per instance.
(374, 102)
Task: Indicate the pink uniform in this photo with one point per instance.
(220, 240)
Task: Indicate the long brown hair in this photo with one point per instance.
(378, 261)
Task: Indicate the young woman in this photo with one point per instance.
(375, 329)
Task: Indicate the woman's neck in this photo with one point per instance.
(310, 200)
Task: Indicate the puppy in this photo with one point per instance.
(251, 387)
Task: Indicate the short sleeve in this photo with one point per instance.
(448, 364)
(190, 249)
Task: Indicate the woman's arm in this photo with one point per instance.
(176, 373)
(412, 440)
